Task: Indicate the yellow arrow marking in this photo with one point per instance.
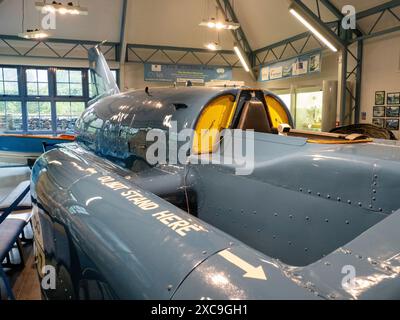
(251, 271)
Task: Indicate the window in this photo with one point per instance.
(9, 82)
(39, 116)
(69, 83)
(96, 85)
(309, 111)
(10, 116)
(50, 101)
(37, 82)
(67, 115)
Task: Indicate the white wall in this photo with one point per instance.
(381, 71)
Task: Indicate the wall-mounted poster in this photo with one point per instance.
(393, 98)
(380, 98)
(379, 111)
(276, 73)
(265, 74)
(363, 116)
(392, 124)
(392, 112)
(184, 73)
(379, 122)
(315, 63)
(300, 68)
(295, 67)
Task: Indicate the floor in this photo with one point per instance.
(25, 282)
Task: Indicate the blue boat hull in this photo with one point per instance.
(28, 145)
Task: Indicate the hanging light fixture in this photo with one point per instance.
(58, 7)
(34, 34)
(213, 46)
(219, 23)
(212, 23)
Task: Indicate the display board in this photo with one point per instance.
(299, 66)
(184, 73)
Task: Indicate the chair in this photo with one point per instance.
(13, 220)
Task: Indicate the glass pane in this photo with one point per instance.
(309, 111)
(31, 75)
(2, 115)
(68, 114)
(43, 89)
(1, 88)
(77, 108)
(32, 89)
(10, 74)
(63, 115)
(11, 88)
(63, 89)
(13, 116)
(33, 108)
(63, 109)
(76, 89)
(114, 73)
(75, 76)
(42, 76)
(62, 76)
(1, 74)
(39, 116)
(10, 116)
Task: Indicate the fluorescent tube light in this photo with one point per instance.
(241, 58)
(313, 30)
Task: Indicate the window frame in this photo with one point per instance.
(37, 82)
(69, 83)
(52, 97)
(2, 82)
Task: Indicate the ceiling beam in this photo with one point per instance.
(332, 8)
(171, 48)
(238, 35)
(377, 9)
(57, 40)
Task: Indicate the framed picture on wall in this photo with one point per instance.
(392, 112)
(379, 122)
(379, 111)
(392, 124)
(380, 98)
(393, 98)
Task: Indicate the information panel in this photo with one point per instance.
(299, 66)
(184, 73)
